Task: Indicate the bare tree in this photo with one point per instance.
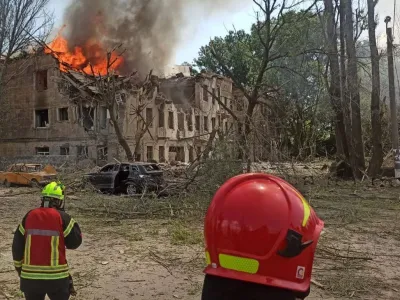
(269, 25)
(377, 152)
(22, 23)
(107, 91)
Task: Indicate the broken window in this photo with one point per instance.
(213, 123)
(226, 127)
(103, 117)
(149, 153)
(42, 151)
(198, 151)
(41, 80)
(197, 123)
(181, 119)
(161, 119)
(88, 118)
(214, 95)
(189, 118)
(191, 156)
(82, 151)
(149, 116)
(102, 153)
(205, 125)
(171, 119)
(63, 114)
(64, 150)
(161, 154)
(42, 118)
(225, 100)
(219, 121)
(205, 93)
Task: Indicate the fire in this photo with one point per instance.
(83, 57)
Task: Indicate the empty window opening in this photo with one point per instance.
(41, 80)
(189, 121)
(191, 154)
(161, 154)
(42, 151)
(161, 121)
(213, 123)
(42, 118)
(197, 122)
(205, 124)
(181, 120)
(176, 154)
(205, 93)
(102, 153)
(214, 95)
(171, 120)
(82, 151)
(63, 114)
(149, 117)
(87, 118)
(64, 150)
(103, 117)
(149, 153)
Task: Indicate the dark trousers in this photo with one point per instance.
(62, 294)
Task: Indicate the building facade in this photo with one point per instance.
(41, 119)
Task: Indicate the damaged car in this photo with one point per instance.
(28, 175)
(129, 178)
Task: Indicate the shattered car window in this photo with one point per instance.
(152, 167)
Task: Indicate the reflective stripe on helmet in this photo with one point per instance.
(236, 263)
(306, 207)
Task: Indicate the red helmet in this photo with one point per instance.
(260, 229)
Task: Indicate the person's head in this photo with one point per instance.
(53, 195)
(260, 229)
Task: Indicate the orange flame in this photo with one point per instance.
(83, 57)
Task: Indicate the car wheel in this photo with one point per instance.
(6, 183)
(34, 183)
(131, 189)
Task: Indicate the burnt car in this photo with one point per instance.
(130, 178)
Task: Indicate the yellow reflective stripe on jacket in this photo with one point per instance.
(44, 276)
(55, 240)
(18, 264)
(69, 228)
(21, 229)
(27, 255)
(45, 269)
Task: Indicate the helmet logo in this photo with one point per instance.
(300, 272)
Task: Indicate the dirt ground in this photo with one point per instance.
(134, 256)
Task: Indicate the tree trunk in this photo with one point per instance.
(377, 151)
(121, 139)
(357, 149)
(334, 88)
(345, 100)
(247, 131)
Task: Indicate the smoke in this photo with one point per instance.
(149, 30)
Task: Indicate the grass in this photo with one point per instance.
(183, 234)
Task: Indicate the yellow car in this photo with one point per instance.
(28, 175)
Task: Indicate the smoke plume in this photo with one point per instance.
(149, 30)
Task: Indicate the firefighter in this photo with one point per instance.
(260, 239)
(39, 247)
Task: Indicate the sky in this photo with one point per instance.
(219, 25)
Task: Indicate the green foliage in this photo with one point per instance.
(297, 62)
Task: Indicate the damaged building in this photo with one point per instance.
(39, 119)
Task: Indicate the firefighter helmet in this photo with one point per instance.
(54, 190)
(260, 229)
